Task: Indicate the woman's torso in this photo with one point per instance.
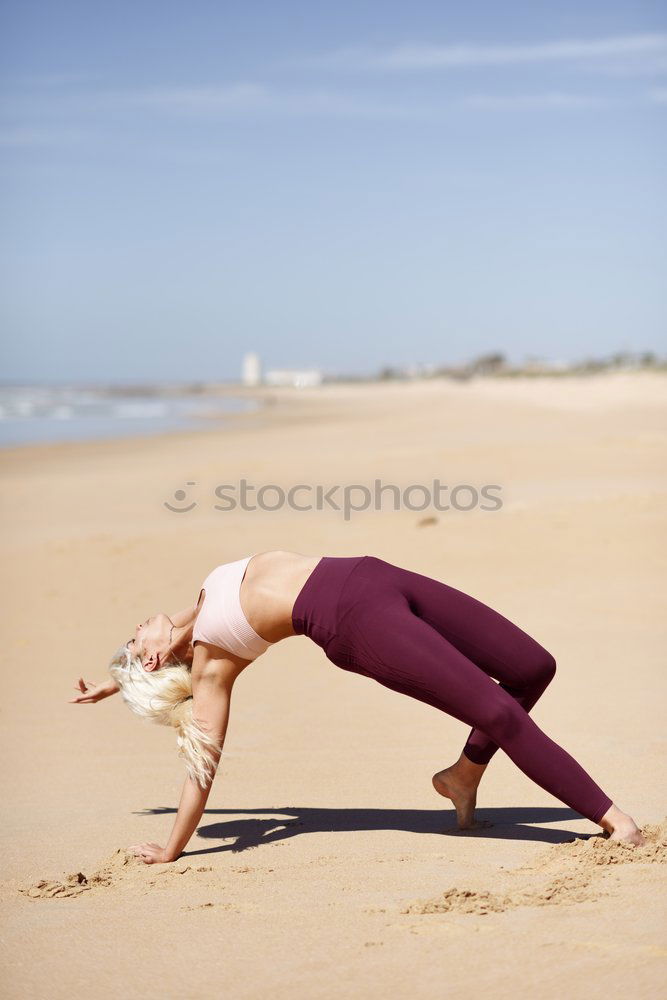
(270, 586)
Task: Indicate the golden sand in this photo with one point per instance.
(326, 865)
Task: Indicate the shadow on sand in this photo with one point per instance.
(252, 827)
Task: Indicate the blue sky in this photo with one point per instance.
(342, 186)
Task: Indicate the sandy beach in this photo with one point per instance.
(326, 865)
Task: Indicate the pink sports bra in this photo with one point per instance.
(221, 620)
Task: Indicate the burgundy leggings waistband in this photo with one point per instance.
(315, 610)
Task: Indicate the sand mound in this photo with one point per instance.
(599, 850)
(122, 867)
(559, 890)
(571, 876)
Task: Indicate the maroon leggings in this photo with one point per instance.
(428, 640)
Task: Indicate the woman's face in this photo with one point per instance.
(151, 637)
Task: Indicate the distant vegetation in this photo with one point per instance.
(496, 364)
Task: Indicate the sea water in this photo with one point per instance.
(34, 414)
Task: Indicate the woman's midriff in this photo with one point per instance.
(269, 588)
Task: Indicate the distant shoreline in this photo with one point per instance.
(290, 405)
(32, 415)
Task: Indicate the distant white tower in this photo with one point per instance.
(252, 369)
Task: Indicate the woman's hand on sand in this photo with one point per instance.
(151, 854)
(90, 692)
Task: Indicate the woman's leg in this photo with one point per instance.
(385, 638)
(496, 645)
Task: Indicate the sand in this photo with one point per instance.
(325, 864)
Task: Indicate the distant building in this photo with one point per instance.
(252, 369)
(299, 377)
(418, 370)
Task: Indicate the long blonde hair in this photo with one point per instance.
(165, 696)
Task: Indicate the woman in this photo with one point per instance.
(407, 631)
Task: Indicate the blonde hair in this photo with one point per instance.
(165, 696)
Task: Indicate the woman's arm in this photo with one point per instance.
(210, 708)
(91, 692)
(190, 810)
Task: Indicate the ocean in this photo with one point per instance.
(39, 414)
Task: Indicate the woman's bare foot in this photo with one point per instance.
(621, 827)
(459, 783)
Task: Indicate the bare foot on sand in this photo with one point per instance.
(459, 783)
(622, 827)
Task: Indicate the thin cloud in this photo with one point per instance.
(82, 115)
(534, 102)
(246, 98)
(451, 57)
(226, 100)
(25, 136)
(49, 81)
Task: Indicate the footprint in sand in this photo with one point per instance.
(562, 874)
